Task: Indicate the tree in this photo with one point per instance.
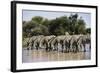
(81, 26)
(45, 22)
(73, 22)
(37, 19)
(64, 22)
(27, 28)
(88, 30)
(55, 27)
(58, 26)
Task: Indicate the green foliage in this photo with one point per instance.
(88, 30)
(37, 19)
(45, 22)
(80, 27)
(42, 26)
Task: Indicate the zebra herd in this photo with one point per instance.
(63, 43)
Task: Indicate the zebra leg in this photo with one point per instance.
(28, 48)
(84, 47)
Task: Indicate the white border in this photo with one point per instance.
(21, 65)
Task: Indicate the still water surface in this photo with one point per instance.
(29, 56)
